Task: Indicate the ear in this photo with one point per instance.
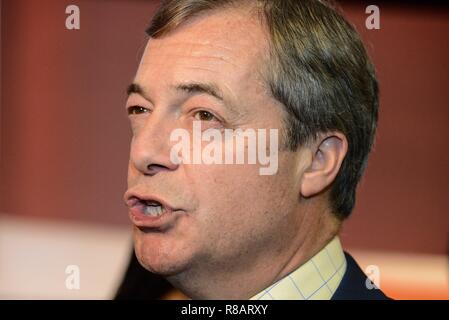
(328, 154)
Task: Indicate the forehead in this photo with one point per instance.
(228, 45)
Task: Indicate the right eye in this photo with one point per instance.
(134, 110)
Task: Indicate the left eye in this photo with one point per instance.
(205, 116)
(134, 110)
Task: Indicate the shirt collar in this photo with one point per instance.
(317, 279)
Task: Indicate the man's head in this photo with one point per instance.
(295, 66)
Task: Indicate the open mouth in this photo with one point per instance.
(147, 207)
(152, 208)
(151, 211)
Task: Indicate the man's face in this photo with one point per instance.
(224, 216)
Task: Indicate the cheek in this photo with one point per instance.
(225, 187)
(237, 187)
(237, 204)
(131, 174)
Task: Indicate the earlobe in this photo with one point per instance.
(329, 153)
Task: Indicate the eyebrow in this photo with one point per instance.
(200, 88)
(136, 88)
(190, 88)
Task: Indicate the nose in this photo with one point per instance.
(150, 148)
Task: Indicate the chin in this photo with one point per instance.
(159, 254)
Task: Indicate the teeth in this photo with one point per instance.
(153, 210)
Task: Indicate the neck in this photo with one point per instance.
(245, 279)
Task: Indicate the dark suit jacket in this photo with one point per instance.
(138, 283)
(353, 285)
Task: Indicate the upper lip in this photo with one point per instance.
(132, 198)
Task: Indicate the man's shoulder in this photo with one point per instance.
(353, 285)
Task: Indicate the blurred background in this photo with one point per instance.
(64, 147)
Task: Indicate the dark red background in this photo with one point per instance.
(64, 134)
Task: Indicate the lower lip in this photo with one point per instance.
(141, 220)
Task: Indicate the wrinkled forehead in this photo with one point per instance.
(230, 38)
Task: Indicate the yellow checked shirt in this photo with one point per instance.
(317, 279)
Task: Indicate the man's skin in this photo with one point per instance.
(235, 232)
